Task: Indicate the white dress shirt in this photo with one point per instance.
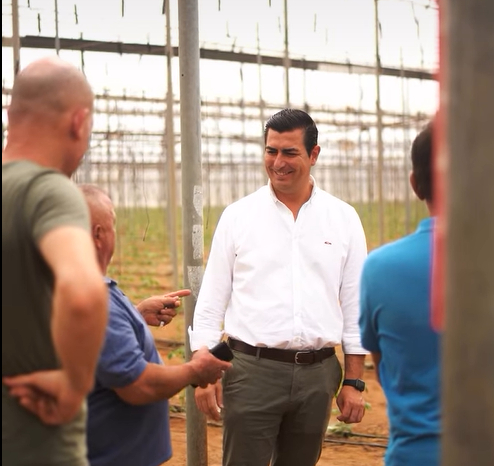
(274, 281)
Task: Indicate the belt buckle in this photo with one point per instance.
(297, 356)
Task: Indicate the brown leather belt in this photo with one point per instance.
(282, 355)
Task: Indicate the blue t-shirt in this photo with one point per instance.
(120, 434)
(395, 321)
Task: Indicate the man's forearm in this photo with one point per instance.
(354, 366)
(78, 329)
(157, 382)
(80, 302)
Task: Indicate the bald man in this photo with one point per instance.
(128, 408)
(54, 303)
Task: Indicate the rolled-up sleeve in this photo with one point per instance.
(350, 288)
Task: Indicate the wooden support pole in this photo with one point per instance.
(468, 352)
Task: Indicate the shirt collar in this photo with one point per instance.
(427, 224)
(311, 180)
(109, 281)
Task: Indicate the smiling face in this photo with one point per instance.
(288, 164)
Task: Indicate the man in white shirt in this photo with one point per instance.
(282, 284)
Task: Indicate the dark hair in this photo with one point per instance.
(290, 119)
(422, 162)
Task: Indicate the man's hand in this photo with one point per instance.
(351, 405)
(209, 400)
(160, 310)
(46, 394)
(208, 369)
(350, 401)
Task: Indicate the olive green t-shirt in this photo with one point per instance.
(35, 200)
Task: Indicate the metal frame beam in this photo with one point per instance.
(43, 42)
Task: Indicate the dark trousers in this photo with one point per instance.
(275, 411)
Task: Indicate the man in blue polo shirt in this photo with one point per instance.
(128, 408)
(395, 326)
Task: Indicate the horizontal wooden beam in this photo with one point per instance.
(85, 45)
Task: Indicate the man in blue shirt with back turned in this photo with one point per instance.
(396, 327)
